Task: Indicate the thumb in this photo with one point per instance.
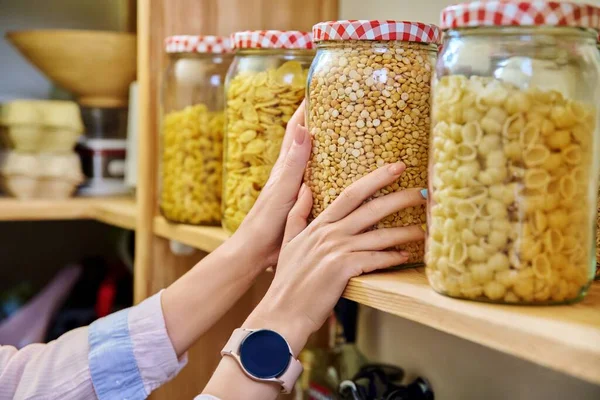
(294, 164)
(298, 217)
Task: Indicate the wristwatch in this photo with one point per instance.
(264, 356)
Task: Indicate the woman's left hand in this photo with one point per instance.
(264, 225)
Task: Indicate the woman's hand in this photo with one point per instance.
(262, 230)
(222, 277)
(315, 265)
(318, 260)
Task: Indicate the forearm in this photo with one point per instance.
(202, 296)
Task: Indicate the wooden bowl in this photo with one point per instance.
(96, 66)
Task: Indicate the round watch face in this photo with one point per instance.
(265, 354)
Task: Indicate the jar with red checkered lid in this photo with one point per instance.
(513, 180)
(192, 125)
(265, 85)
(369, 96)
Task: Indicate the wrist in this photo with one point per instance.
(267, 316)
(240, 252)
(252, 245)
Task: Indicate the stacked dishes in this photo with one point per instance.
(38, 137)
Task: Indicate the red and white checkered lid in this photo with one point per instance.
(272, 40)
(198, 44)
(405, 31)
(521, 13)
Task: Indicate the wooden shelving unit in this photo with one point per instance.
(118, 211)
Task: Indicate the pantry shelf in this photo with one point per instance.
(206, 238)
(117, 211)
(563, 338)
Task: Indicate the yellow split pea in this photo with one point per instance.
(259, 105)
(368, 107)
(192, 165)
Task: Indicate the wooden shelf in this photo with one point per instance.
(563, 338)
(118, 211)
(206, 238)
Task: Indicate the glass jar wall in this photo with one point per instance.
(192, 124)
(513, 166)
(265, 85)
(368, 106)
(598, 219)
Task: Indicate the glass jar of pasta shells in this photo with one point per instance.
(514, 166)
(368, 105)
(265, 85)
(192, 124)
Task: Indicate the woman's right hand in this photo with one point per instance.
(317, 261)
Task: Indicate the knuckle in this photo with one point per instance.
(290, 161)
(349, 193)
(374, 207)
(381, 235)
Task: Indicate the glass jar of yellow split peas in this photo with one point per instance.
(265, 85)
(514, 162)
(369, 95)
(192, 124)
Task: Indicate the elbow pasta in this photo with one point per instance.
(515, 179)
(369, 105)
(259, 105)
(192, 165)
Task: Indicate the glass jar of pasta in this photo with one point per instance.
(369, 90)
(192, 124)
(514, 166)
(265, 86)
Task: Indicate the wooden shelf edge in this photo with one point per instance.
(206, 238)
(562, 338)
(117, 211)
(44, 210)
(121, 212)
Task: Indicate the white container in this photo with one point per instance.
(40, 176)
(40, 125)
(103, 162)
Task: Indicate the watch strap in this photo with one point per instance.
(233, 344)
(291, 375)
(287, 379)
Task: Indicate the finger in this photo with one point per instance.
(355, 194)
(297, 119)
(298, 217)
(381, 239)
(369, 261)
(375, 210)
(291, 171)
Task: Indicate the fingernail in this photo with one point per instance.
(300, 134)
(424, 193)
(404, 253)
(396, 168)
